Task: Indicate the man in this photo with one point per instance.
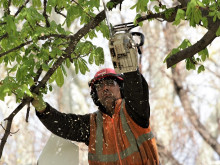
(119, 132)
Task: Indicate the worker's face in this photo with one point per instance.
(108, 92)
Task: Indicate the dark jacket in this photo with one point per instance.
(77, 127)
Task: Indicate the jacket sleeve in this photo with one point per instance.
(69, 126)
(136, 96)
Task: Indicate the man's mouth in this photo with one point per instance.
(106, 95)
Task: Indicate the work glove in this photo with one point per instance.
(38, 103)
(123, 53)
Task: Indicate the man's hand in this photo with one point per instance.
(38, 103)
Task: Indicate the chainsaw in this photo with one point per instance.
(123, 48)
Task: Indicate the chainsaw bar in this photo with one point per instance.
(123, 27)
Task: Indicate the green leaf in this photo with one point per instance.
(13, 69)
(204, 54)
(99, 56)
(64, 70)
(68, 63)
(218, 32)
(21, 72)
(168, 13)
(82, 66)
(59, 77)
(179, 16)
(76, 64)
(4, 89)
(110, 5)
(91, 58)
(45, 67)
(50, 88)
(24, 89)
(36, 3)
(11, 27)
(185, 44)
(96, 3)
(52, 78)
(201, 69)
(189, 64)
(141, 6)
(73, 12)
(205, 21)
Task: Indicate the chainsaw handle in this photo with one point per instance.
(141, 37)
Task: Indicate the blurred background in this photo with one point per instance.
(173, 120)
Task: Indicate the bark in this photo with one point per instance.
(197, 47)
(185, 101)
(35, 89)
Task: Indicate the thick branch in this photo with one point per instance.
(197, 47)
(74, 40)
(184, 98)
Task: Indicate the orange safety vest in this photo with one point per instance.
(119, 140)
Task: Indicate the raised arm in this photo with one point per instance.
(69, 126)
(136, 96)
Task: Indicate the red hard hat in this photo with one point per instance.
(103, 73)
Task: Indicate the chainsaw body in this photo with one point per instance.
(123, 49)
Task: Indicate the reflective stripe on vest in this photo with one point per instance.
(98, 156)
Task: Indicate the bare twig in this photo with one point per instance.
(9, 131)
(45, 14)
(58, 12)
(28, 111)
(21, 7)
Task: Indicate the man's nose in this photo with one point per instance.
(105, 87)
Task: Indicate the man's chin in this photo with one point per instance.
(108, 101)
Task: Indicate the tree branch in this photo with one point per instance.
(40, 38)
(45, 14)
(184, 98)
(9, 123)
(73, 41)
(8, 9)
(21, 7)
(197, 47)
(16, 48)
(161, 15)
(4, 36)
(58, 12)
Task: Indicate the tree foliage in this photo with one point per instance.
(36, 50)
